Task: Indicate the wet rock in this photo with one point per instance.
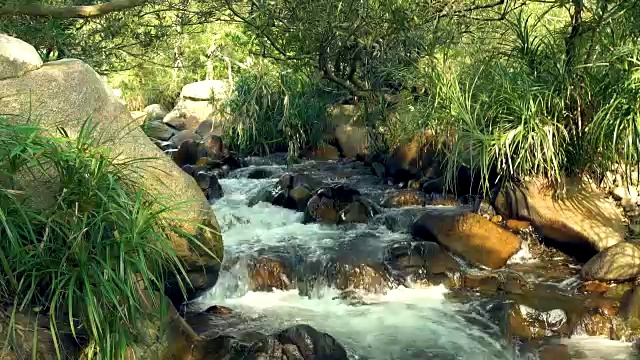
(620, 262)
(469, 235)
(293, 191)
(441, 200)
(338, 204)
(629, 309)
(218, 310)
(158, 130)
(401, 220)
(185, 135)
(422, 262)
(370, 278)
(210, 185)
(300, 342)
(356, 212)
(266, 274)
(517, 225)
(187, 153)
(433, 186)
(259, 173)
(529, 323)
(404, 198)
(581, 222)
(265, 194)
(323, 153)
(208, 164)
(214, 147)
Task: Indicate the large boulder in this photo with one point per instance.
(619, 262)
(68, 92)
(469, 235)
(348, 130)
(17, 57)
(581, 222)
(198, 103)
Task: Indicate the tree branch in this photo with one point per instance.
(68, 12)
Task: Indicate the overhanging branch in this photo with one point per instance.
(68, 12)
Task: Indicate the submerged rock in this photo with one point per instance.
(619, 262)
(422, 263)
(469, 235)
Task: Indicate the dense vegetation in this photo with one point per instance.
(525, 87)
(83, 251)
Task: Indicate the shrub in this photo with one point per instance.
(84, 257)
(274, 110)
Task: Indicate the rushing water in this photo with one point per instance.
(401, 324)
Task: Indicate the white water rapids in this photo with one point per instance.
(402, 324)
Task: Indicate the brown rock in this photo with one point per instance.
(470, 236)
(214, 147)
(266, 274)
(410, 159)
(517, 225)
(620, 262)
(367, 277)
(581, 222)
(404, 198)
(187, 153)
(218, 310)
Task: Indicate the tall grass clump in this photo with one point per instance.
(276, 110)
(522, 110)
(83, 248)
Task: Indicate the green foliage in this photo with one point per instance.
(274, 110)
(86, 255)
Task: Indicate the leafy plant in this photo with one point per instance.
(85, 246)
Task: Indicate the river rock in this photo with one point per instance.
(67, 93)
(188, 153)
(619, 262)
(155, 112)
(210, 185)
(214, 147)
(403, 198)
(351, 275)
(581, 223)
(338, 204)
(185, 135)
(267, 274)
(17, 57)
(204, 90)
(293, 190)
(25, 344)
(158, 130)
(469, 235)
(299, 342)
(198, 102)
(422, 263)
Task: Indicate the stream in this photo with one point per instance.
(403, 323)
